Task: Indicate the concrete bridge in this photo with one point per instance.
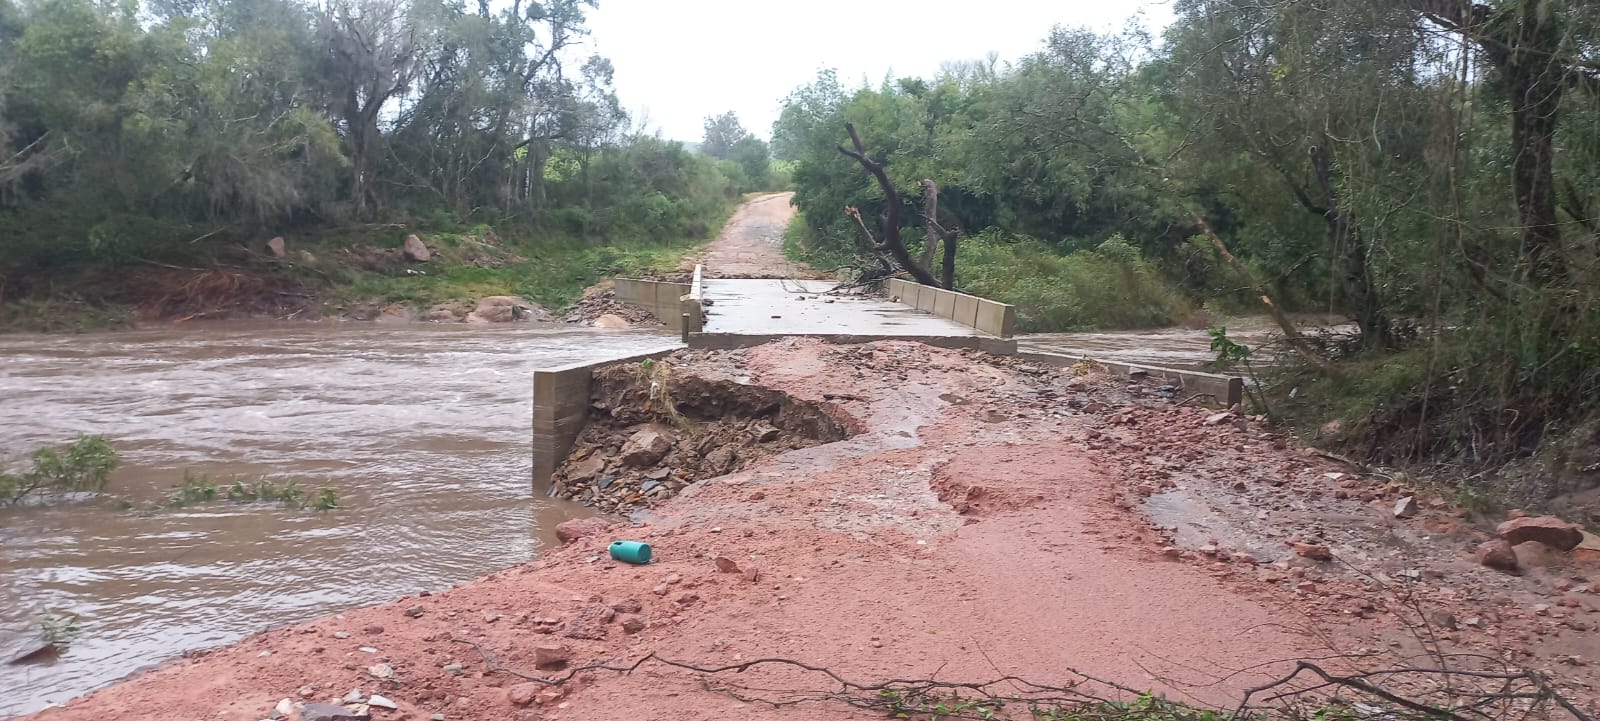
(724, 313)
(737, 312)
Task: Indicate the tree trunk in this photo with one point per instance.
(1350, 254)
(930, 213)
(1535, 109)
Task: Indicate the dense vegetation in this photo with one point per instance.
(1427, 168)
(148, 151)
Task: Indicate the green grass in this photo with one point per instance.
(550, 269)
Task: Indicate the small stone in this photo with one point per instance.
(341, 634)
(331, 712)
(454, 669)
(660, 590)
(628, 605)
(373, 630)
(284, 708)
(551, 656)
(571, 531)
(1313, 551)
(1218, 418)
(1443, 619)
(523, 694)
(1406, 507)
(877, 644)
(725, 564)
(632, 625)
(1497, 554)
(1561, 585)
(673, 579)
(1541, 609)
(414, 612)
(306, 691)
(353, 697)
(381, 670)
(549, 696)
(381, 702)
(436, 717)
(1474, 621)
(687, 599)
(276, 247)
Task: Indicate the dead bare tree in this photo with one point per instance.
(889, 223)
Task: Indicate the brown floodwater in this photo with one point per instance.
(424, 430)
(1182, 348)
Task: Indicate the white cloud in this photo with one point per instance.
(678, 62)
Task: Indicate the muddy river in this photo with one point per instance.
(423, 429)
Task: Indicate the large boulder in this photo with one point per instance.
(647, 446)
(1549, 530)
(505, 309)
(416, 251)
(610, 320)
(574, 529)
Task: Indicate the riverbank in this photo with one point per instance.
(395, 272)
(990, 518)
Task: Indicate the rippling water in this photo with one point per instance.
(424, 429)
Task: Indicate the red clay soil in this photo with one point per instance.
(986, 521)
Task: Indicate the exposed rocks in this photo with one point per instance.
(601, 300)
(651, 433)
(628, 605)
(277, 248)
(632, 625)
(1549, 530)
(1406, 507)
(416, 251)
(505, 309)
(1497, 554)
(381, 702)
(414, 612)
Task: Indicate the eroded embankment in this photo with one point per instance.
(986, 521)
(654, 429)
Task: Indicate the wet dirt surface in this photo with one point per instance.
(991, 517)
(424, 429)
(751, 244)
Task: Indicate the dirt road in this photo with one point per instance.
(988, 519)
(751, 244)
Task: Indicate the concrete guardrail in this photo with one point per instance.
(996, 319)
(662, 299)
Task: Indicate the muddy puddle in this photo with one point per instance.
(423, 429)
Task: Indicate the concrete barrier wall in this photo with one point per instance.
(662, 299)
(1224, 390)
(561, 407)
(996, 319)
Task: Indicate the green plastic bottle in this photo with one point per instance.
(635, 552)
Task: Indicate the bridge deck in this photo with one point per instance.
(746, 307)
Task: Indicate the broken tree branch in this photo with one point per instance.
(891, 220)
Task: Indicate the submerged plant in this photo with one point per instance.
(83, 467)
(58, 629)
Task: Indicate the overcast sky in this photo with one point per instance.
(678, 62)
